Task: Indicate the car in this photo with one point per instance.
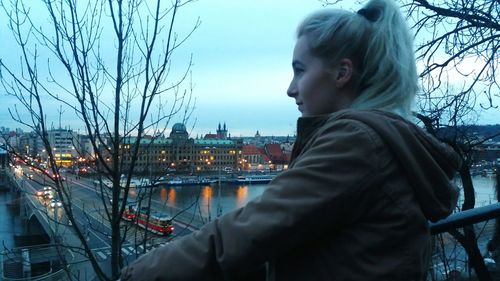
(39, 193)
(55, 203)
(48, 192)
(48, 195)
(58, 177)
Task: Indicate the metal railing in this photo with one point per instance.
(464, 218)
(450, 261)
(18, 263)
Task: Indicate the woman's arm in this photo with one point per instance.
(318, 195)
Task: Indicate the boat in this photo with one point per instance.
(179, 181)
(134, 182)
(249, 179)
(142, 182)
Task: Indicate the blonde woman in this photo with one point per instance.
(363, 181)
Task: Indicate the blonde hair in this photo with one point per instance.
(379, 43)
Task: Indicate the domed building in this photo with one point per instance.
(180, 153)
(179, 132)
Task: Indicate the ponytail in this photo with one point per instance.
(389, 77)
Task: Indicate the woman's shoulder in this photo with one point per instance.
(354, 122)
(376, 123)
(369, 116)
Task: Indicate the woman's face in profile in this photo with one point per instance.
(313, 85)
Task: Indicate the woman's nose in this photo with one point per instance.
(292, 90)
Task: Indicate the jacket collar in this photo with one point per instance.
(306, 126)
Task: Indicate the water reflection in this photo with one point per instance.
(208, 200)
(241, 196)
(205, 204)
(206, 195)
(171, 196)
(163, 195)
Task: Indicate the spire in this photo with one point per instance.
(225, 126)
(219, 127)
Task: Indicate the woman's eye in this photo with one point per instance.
(297, 71)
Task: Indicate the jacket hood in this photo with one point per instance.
(428, 163)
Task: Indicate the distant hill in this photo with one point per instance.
(486, 130)
(480, 131)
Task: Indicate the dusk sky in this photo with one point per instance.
(242, 55)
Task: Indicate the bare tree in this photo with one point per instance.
(493, 244)
(109, 62)
(458, 47)
(459, 43)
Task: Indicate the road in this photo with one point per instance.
(88, 205)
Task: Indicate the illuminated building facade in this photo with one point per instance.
(179, 153)
(62, 144)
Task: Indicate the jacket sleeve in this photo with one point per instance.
(317, 196)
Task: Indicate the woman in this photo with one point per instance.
(362, 183)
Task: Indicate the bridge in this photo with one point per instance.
(42, 224)
(52, 230)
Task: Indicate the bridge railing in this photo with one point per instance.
(41, 263)
(450, 260)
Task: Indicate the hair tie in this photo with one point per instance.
(372, 14)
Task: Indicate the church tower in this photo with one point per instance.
(222, 132)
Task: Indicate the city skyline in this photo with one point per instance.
(241, 67)
(210, 133)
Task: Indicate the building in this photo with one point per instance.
(222, 132)
(62, 143)
(179, 153)
(4, 157)
(277, 156)
(28, 144)
(255, 158)
(83, 146)
(270, 157)
(489, 151)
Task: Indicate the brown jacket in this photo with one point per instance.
(354, 205)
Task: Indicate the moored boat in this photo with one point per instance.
(249, 179)
(178, 181)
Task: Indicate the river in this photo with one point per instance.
(206, 200)
(210, 201)
(484, 188)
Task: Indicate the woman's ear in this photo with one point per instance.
(343, 73)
